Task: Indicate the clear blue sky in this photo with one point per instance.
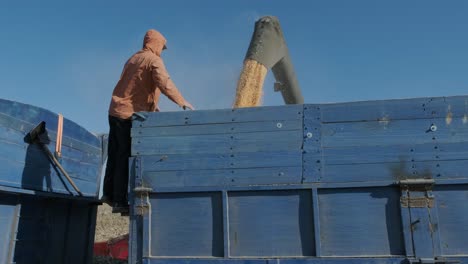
(68, 57)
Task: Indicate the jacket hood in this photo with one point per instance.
(154, 41)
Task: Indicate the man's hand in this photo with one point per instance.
(187, 105)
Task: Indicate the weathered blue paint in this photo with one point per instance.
(25, 166)
(39, 229)
(364, 182)
(452, 208)
(42, 220)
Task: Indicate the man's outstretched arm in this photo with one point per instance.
(164, 82)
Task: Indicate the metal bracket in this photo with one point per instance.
(278, 87)
(139, 116)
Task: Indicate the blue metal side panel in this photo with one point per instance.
(344, 230)
(225, 147)
(198, 215)
(376, 110)
(26, 166)
(335, 183)
(421, 227)
(452, 207)
(241, 115)
(8, 226)
(257, 225)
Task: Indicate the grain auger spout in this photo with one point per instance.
(267, 50)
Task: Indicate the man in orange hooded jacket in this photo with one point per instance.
(141, 83)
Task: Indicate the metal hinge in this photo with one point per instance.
(416, 182)
(409, 186)
(141, 205)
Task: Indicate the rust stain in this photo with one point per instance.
(448, 118)
(384, 121)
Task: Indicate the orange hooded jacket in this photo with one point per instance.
(143, 79)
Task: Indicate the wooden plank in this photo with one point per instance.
(184, 118)
(394, 171)
(399, 132)
(416, 108)
(434, 228)
(78, 164)
(378, 154)
(10, 133)
(375, 110)
(451, 151)
(44, 178)
(38, 166)
(402, 132)
(395, 153)
(421, 229)
(33, 115)
(268, 113)
(242, 142)
(224, 128)
(181, 145)
(211, 161)
(406, 226)
(25, 152)
(448, 107)
(223, 177)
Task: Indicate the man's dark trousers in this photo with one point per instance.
(118, 152)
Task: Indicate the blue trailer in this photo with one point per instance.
(364, 182)
(43, 219)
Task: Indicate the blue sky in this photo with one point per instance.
(67, 57)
